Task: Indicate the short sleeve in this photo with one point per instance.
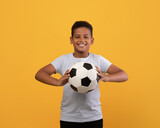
(104, 64)
(57, 63)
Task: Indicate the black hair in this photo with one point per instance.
(79, 24)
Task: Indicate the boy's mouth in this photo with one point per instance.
(81, 45)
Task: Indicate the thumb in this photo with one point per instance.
(67, 72)
(100, 80)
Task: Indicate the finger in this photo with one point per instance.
(67, 72)
(100, 74)
(100, 80)
(66, 76)
(97, 69)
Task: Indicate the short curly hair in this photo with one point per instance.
(79, 24)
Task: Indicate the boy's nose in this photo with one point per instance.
(82, 39)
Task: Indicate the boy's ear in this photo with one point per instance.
(92, 40)
(71, 40)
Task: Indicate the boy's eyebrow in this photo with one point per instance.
(79, 34)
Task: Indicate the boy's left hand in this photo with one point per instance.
(64, 79)
(103, 77)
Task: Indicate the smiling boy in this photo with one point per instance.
(81, 40)
(80, 110)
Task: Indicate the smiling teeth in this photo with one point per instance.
(81, 44)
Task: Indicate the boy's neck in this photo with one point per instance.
(80, 55)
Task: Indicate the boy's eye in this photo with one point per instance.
(79, 37)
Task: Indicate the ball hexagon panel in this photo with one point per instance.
(82, 89)
(78, 65)
(81, 72)
(93, 84)
(92, 74)
(74, 88)
(75, 81)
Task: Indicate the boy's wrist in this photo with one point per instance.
(58, 83)
(106, 78)
(55, 82)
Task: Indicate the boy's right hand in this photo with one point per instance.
(64, 79)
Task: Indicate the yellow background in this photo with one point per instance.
(35, 32)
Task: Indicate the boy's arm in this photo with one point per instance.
(44, 76)
(115, 74)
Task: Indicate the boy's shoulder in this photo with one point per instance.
(93, 55)
(65, 55)
(98, 58)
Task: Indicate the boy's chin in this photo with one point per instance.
(82, 52)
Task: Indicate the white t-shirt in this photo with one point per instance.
(77, 107)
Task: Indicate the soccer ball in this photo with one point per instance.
(83, 77)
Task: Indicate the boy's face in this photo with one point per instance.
(82, 40)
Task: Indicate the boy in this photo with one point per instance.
(80, 110)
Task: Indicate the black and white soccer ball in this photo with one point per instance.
(83, 77)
